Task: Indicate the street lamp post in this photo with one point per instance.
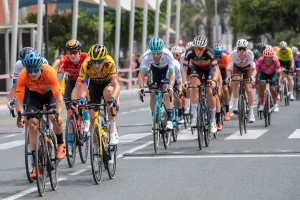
(216, 22)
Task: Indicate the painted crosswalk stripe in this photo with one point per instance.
(187, 135)
(132, 137)
(295, 134)
(251, 135)
(12, 144)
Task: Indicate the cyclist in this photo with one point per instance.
(220, 45)
(43, 89)
(296, 56)
(242, 61)
(223, 61)
(186, 72)
(161, 73)
(286, 59)
(203, 63)
(268, 67)
(101, 69)
(260, 48)
(177, 51)
(70, 64)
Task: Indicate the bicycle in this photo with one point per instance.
(243, 107)
(101, 152)
(45, 153)
(296, 86)
(268, 105)
(159, 119)
(284, 89)
(75, 135)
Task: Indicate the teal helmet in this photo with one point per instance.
(256, 56)
(261, 46)
(156, 45)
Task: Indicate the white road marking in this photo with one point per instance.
(78, 172)
(135, 149)
(251, 135)
(25, 192)
(187, 135)
(12, 144)
(11, 135)
(132, 137)
(295, 134)
(215, 156)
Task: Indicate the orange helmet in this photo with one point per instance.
(268, 52)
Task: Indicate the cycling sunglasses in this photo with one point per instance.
(218, 56)
(73, 52)
(176, 54)
(242, 49)
(199, 48)
(33, 70)
(156, 53)
(94, 62)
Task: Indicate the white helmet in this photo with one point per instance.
(294, 50)
(282, 45)
(189, 44)
(242, 43)
(177, 49)
(200, 41)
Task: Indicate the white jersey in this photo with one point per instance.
(181, 59)
(19, 66)
(166, 60)
(177, 67)
(235, 59)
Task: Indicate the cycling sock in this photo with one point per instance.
(170, 114)
(180, 112)
(113, 126)
(194, 110)
(33, 157)
(218, 115)
(261, 101)
(227, 108)
(28, 148)
(212, 114)
(59, 138)
(235, 102)
(250, 110)
(70, 136)
(187, 102)
(275, 100)
(86, 116)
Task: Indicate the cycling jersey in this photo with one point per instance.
(108, 72)
(46, 82)
(235, 59)
(65, 65)
(224, 61)
(177, 71)
(166, 60)
(204, 61)
(19, 66)
(284, 56)
(268, 69)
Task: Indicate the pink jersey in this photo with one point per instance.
(268, 69)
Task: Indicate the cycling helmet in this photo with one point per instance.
(242, 43)
(33, 60)
(200, 41)
(177, 49)
(294, 50)
(189, 44)
(25, 51)
(298, 45)
(218, 45)
(156, 45)
(97, 52)
(218, 51)
(275, 48)
(282, 45)
(260, 46)
(269, 46)
(73, 45)
(256, 56)
(268, 53)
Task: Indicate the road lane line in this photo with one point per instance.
(135, 149)
(214, 156)
(12, 135)
(12, 144)
(28, 191)
(251, 135)
(78, 172)
(132, 137)
(295, 134)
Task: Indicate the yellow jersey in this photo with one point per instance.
(108, 72)
(284, 56)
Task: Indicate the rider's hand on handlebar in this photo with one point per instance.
(141, 92)
(111, 102)
(252, 79)
(170, 90)
(11, 104)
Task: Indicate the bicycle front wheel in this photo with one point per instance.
(241, 106)
(41, 163)
(96, 157)
(266, 108)
(112, 163)
(200, 126)
(28, 157)
(84, 149)
(70, 140)
(155, 128)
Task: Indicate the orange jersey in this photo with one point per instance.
(224, 61)
(47, 81)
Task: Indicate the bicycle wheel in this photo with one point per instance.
(84, 149)
(241, 106)
(206, 125)
(28, 157)
(200, 126)
(112, 163)
(285, 92)
(41, 163)
(166, 135)
(52, 162)
(266, 108)
(156, 130)
(70, 140)
(246, 114)
(96, 158)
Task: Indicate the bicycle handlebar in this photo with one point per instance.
(153, 91)
(98, 105)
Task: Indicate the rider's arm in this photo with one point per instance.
(12, 93)
(278, 69)
(80, 80)
(20, 91)
(172, 69)
(59, 104)
(143, 70)
(115, 84)
(292, 62)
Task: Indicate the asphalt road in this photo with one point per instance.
(263, 164)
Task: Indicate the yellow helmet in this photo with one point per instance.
(97, 52)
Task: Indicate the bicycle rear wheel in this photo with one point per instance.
(155, 128)
(70, 140)
(96, 158)
(266, 109)
(241, 106)
(200, 126)
(52, 162)
(28, 157)
(41, 163)
(84, 149)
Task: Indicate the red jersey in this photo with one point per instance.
(65, 65)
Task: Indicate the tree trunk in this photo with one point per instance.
(209, 31)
